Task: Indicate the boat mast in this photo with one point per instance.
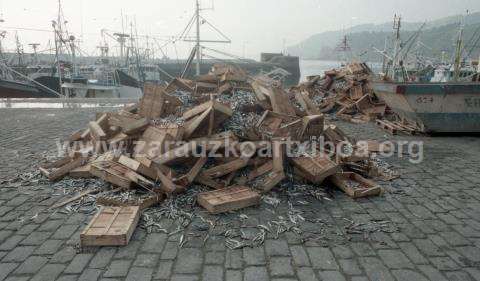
(458, 52)
(197, 19)
(397, 24)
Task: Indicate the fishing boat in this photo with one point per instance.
(447, 105)
(435, 107)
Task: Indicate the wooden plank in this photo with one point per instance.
(143, 203)
(280, 102)
(60, 172)
(271, 180)
(197, 123)
(228, 199)
(260, 171)
(111, 172)
(278, 154)
(97, 131)
(111, 226)
(225, 169)
(136, 127)
(168, 186)
(312, 126)
(138, 167)
(74, 198)
(80, 172)
(175, 154)
(209, 182)
(193, 173)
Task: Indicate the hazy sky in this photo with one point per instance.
(253, 25)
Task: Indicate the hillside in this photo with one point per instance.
(438, 35)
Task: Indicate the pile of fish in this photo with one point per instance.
(222, 141)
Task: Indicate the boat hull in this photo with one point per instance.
(435, 107)
(16, 90)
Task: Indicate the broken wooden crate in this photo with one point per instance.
(111, 226)
(228, 199)
(355, 185)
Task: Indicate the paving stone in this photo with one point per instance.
(394, 259)
(233, 275)
(19, 254)
(170, 251)
(65, 231)
(4, 234)
(359, 278)
(68, 278)
(322, 258)
(164, 270)
(454, 239)
(184, 277)
(11, 242)
(6, 268)
(50, 225)
(49, 247)
(428, 248)
(277, 248)
(212, 273)
(36, 238)
(146, 260)
(471, 253)
(363, 249)
(233, 259)
(350, 267)
(215, 258)
(16, 278)
(300, 256)
(375, 269)
(342, 252)
(78, 263)
(64, 255)
(458, 276)
(255, 273)
(189, 261)
(129, 251)
(474, 273)
(444, 263)
(154, 243)
(281, 267)
(26, 229)
(254, 256)
(102, 258)
(331, 276)
(90, 274)
(306, 274)
(118, 268)
(139, 274)
(408, 275)
(48, 272)
(31, 265)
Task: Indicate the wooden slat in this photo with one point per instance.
(228, 199)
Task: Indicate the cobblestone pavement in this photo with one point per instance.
(435, 205)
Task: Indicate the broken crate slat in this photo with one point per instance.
(61, 168)
(111, 226)
(228, 199)
(355, 185)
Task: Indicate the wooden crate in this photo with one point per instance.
(355, 185)
(315, 168)
(228, 199)
(111, 226)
